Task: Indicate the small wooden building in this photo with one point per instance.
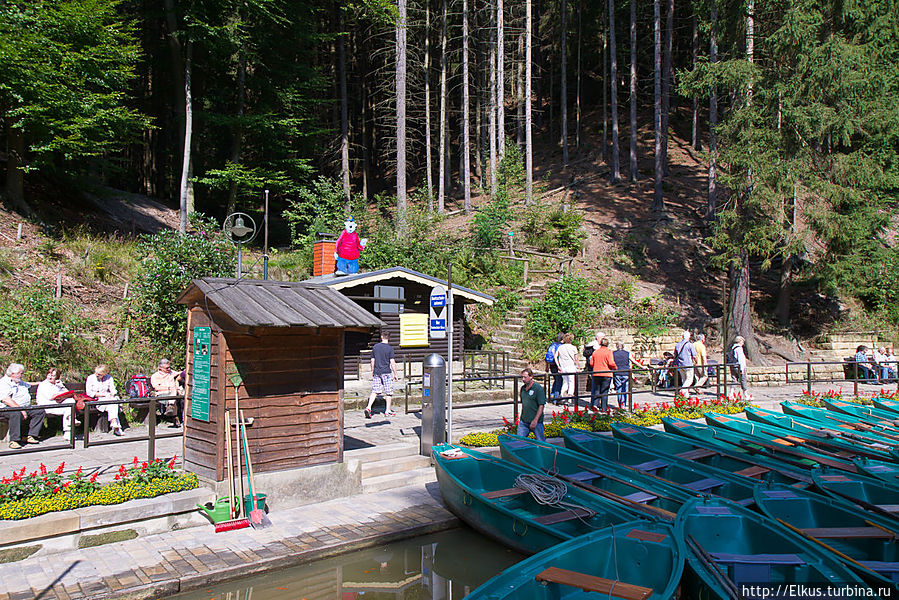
(280, 346)
(400, 297)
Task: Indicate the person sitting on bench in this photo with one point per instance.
(101, 386)
(864, 365)
(14, 393)
(47, 391)
(165, 383)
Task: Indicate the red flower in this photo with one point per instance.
(43, 469)
(172, 464)
(135, 461)
(78, 473)
(60, 468)
(94, 478)
(5, 480)
(56, 489)
(116, 477)
(22, 472)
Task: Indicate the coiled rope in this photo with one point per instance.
(550, 491)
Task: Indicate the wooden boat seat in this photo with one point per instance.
(583, 476)
(702, 485)
(696, 454)
(848, 532)
(893, 508)
(757, 559)
(503, 493)
(561, 517)
(592, 583)
(753, 471)
(652, 465)
(640, 497)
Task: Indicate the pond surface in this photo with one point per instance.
(442, 566)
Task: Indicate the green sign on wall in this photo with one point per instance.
(199, 398)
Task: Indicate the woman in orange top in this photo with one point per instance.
(603, 365)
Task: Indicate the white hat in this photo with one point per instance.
(600, 335)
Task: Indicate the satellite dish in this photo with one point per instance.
(240, 228)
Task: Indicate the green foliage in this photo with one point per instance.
(648, 316)
(64, 70)
(105, 259)
(40, 329)
(490, 224)
(169, 261)
(551, 227)
(317, 207)
(568, 306)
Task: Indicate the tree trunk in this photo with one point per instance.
(500, 81)
(658, 203)
(564, 85)
(519, 104)
(634, 169)
(428, 158)
(466, 139)
(713, 119)
(577, 99)
(605, 87)
(695, 140)
(177, 67)
(401, 118)
(666, 81)
(15, 169)
(344, 122)
(494, 113)
(237, 132)
(441, 175)
(188, 130)
(615, 175)
(529, 154)
(739, 311)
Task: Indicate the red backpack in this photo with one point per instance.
(138, 386)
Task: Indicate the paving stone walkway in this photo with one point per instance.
(161, 565)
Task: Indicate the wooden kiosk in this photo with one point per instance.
(282, 343)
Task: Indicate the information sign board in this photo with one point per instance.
(199, 389)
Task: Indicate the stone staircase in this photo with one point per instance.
(391, 466)
(508, 337)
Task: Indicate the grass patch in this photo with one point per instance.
(111, 537)
(16, 554)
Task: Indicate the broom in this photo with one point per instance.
(258, 518)
(233, 523)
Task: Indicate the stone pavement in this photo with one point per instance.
(161, 565)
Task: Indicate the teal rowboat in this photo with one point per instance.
(625, 486)
(815, 441)
(887, 404)
(729, 546)
(867, 542)
(845, 421)
(865, 444)
(729, 458)
(871, 494)
(870, 414)
(635, 561)
(486, 493)
(689, 476)
(879, 469)
(786, 454)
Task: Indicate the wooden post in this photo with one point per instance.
(19, 234)
(515, 398)
(125, 292)
(808, 376)
(855, 380)
(59, 285)
(526, 263)
(151, 441)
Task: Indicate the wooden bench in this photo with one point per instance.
(592, 583)
(754, 567)
(651, 465)
(702, 485)
(753, 471)
(561, 517)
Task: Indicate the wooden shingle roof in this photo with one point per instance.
(254, 303)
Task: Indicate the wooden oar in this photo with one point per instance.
(726, 582)
(812, 538)
(630, 483)
(882, 528)
(824, 460)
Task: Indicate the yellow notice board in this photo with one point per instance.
(413, 330)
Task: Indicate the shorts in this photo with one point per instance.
(348, 266)
(382, 384)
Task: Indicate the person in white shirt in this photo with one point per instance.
(14, 393)
(739, 341)
(566, 360)
(47, 390)
(101, 386)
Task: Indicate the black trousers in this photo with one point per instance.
(601, 386)
(35, 422)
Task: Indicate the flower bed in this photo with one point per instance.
(646, 415)
(817, 398)
(23, 496)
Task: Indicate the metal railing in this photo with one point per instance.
(152, 402)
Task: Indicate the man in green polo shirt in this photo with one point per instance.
(533, 399)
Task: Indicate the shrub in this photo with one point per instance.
(169, 261)
(648, 316)
(40, 328)
(550, 227)
(317, 207)
(490, 224)
(568, 306)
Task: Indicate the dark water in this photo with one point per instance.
(442, 566)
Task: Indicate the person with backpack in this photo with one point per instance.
(550, 360)
(566, 363)
(736, 359)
